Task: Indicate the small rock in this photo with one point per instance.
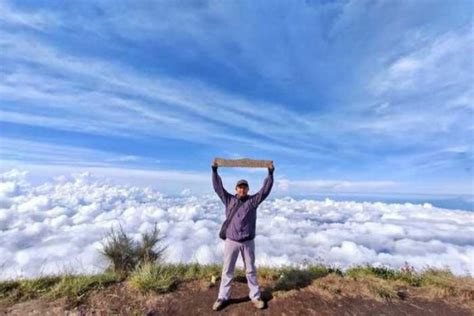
(402, 294)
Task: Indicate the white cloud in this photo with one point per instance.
(58, 225)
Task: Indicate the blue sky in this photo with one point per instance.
(345, 96)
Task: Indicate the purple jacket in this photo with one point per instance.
(242, 226)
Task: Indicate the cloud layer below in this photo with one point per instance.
(58, 226)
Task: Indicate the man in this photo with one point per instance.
(240, 234)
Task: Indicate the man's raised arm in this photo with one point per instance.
(218, 187)
(266, 188)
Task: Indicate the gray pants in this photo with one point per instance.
(231, 252)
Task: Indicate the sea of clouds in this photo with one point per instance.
(58, 226)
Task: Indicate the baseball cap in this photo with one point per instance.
(242, 181)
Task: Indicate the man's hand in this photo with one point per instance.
(214, 165)
(271, 168)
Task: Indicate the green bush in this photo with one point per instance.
(124, 254)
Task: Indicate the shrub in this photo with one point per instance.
(124, 254)
(146, 250)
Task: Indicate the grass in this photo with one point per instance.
(154, 277)
(386, 283)
(294, 278)
(27, 289)
(375, 282)
(442, 284)
(406, 274)
(73, 287)
(195, 271)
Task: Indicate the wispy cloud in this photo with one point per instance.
(142, 104)
(45, 161)
(444, 62)
(34, 20)
(295, 93)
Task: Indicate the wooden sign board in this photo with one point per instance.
(243, 162)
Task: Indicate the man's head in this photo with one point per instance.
(242, 188)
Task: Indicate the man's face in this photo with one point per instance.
(242, 190)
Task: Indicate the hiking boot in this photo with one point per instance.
(218, 304)
(258, 303)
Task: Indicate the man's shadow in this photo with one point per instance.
(265, 294)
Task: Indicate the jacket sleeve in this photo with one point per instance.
(261, 195)
(219, 188)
